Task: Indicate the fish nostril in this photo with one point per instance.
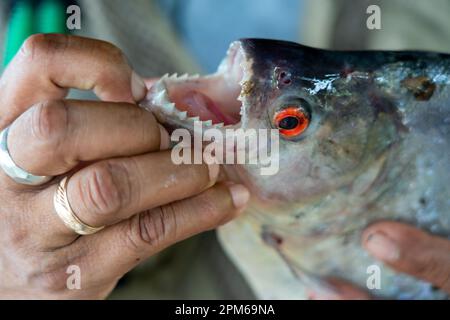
(284, 78)
(286, 81)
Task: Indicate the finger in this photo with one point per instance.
(119, 248)
(339, 290)
(53, 137)
(112, 190)
(411, 251)
(48, 64)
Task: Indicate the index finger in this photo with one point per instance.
(48, 64)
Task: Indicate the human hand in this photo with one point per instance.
(405, 249)
(121, 176)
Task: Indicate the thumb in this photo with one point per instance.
(410, 250)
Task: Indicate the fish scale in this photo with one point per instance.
(377, 147)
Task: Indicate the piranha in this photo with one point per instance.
(364, 136)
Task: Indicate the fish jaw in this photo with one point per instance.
(217, 100)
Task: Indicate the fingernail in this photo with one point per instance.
(239, 195)
(138, 88)
(165, 139)
(213, 169)
(382, 247)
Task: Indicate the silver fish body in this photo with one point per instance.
(377, 147)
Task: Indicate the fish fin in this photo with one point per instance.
(307, 278)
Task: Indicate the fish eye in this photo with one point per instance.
(292, 120)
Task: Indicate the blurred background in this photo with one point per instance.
(166, 36)
(194, 34)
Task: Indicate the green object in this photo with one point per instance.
(19, 28)
(48, 17)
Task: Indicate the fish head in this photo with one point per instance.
(325, 106)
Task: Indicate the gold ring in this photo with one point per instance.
(65, 212)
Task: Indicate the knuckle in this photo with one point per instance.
(49, 122)
(16, 237)
(16, 233)
(100, 189)
(38, 45)
(33, 44)
(49, 275)
(50, 281)
(151, 228)
(39, 270)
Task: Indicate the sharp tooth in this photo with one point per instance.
(194, 76)
(161, 97)
(169, 108)
(174, 76)
(182, 115)
(163, 78)
(193, 119)
(207, 123)
(183, 77)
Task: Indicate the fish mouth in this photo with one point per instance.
(216, 100)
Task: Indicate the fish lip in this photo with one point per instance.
(167, 111)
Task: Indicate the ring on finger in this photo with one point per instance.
(66, 214)
(15, 172)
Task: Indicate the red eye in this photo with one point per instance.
(291, 121)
